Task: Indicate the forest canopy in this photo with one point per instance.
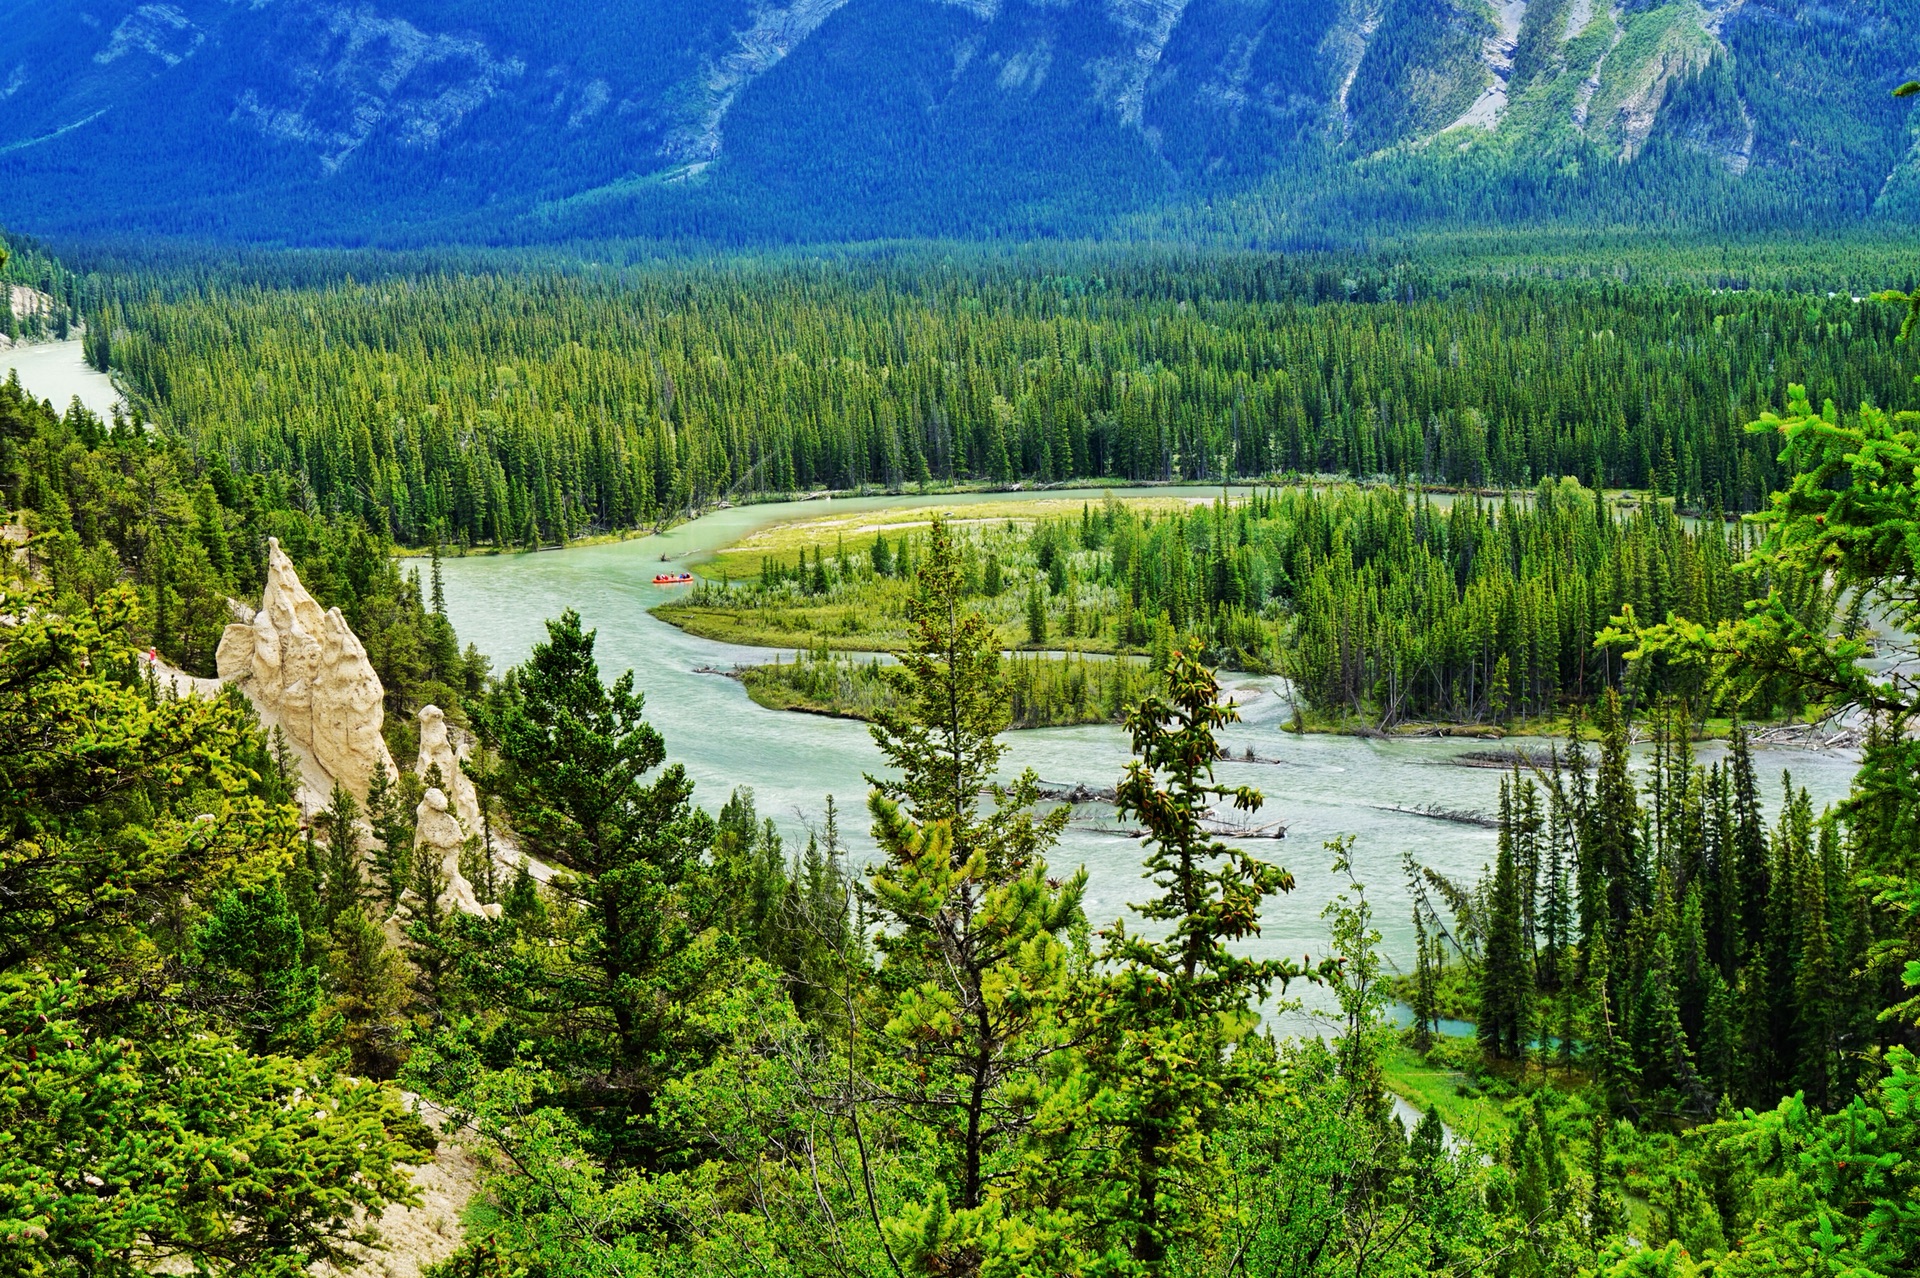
(682, 1046)
(521, 409)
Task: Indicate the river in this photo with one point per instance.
(58, 371)
(1322, 786)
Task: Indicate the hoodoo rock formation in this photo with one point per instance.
(449, 814)
(438, 837)
(308, 672)
(437, 751)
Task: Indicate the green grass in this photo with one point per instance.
(1427, 1084)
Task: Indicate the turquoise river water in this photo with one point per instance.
(1321, 786)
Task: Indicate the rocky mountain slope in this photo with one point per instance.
(308, 119)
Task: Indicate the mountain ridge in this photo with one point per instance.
(310, 121)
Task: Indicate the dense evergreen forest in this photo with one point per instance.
(108, 506)
(525, 409)
(1382, 606)
(1700, 950)
(695, 1050)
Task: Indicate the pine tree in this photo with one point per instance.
(973, 935)
(1613, 842)
(429, 941)
(368, 985)
(1607, 1045)
(1749, 850)
(342, 885)
(587, 780)
(252, 950)
(1505, 1025)
(1556, 910)
(1817, 996)
(392, 820)
(1426, 999)
(1179, 1000)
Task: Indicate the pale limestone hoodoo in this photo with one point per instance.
(310, 672)
(437, 750)
(438, 836)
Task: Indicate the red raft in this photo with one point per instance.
(673, 579)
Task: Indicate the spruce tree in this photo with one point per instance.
(1505, 1025)
(391, 818)
(587, 780)
(252, 955)
(1749, 846)
(342, 884)
(1556, 908)
(1426, 999)
(1180, 999)
(973, 926)
(1817, 995)
(1613, 844)
(368, 986)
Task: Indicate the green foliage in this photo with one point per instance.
(597, 988)
(110, 503)
(1178, 1001)
(1713, 960)
(1506, 967)
(474, 408)
(692, 1054)
(1380, 605)
(973, 926)
(127, 1150)
(138, 845)
(253, 954)
(1041, 691)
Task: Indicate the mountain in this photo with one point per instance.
(422, 120)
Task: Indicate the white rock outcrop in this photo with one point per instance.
(437, 751)
(437, 836)
(307, 671)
